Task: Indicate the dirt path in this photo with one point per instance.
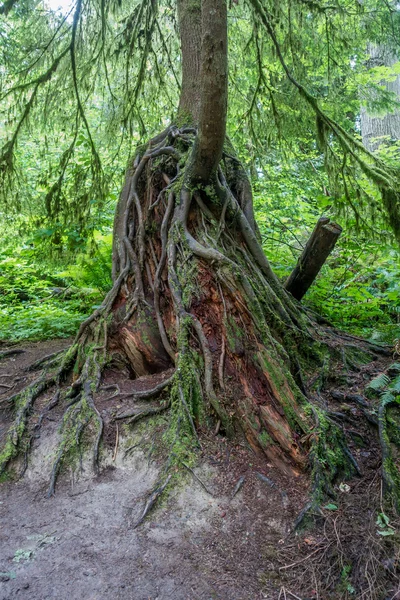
(81, 543)
(195, 545)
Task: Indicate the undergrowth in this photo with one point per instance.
(43, 300)
(358, 288)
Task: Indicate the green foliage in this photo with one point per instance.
(93, 268)
(358, 288)
(39, 302)
(384, 526)
(387, 386)
(379, 382)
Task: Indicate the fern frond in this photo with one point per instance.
(387, 397)
(395, 385)
(379, 382)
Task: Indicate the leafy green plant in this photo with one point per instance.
(39, 302)
(345, 577)
(384, 527)
(21, 555)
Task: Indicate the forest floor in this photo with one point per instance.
(200, 543)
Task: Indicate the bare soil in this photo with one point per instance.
(198, 544)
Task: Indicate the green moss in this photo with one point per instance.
(393, 425)
(265, 439)
(16, 431)
(356, 357)
(5, 476)
(387, 425)
(329, 455)
(235, 335)
(180, 436)
(283, 380)
(187, 273)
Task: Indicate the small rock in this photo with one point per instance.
(89, 572)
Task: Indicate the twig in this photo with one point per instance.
(198, 478)
(116, 445)
(155, 494)
(303, 559)
(134, 416)
(238, 486)
(6, 353)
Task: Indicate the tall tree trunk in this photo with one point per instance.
(189, 19)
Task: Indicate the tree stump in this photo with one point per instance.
(317, 250)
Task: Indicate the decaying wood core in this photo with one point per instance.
(194, 261)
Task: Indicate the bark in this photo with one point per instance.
(317, 250)
(213, 90)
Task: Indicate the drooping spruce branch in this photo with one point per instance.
(386, 178)
(72, 49)
(45, 80)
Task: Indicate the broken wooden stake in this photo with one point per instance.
(317, 250)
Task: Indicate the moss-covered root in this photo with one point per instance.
(186, 400)
(388, 435)
(16, 436)
(330, 459)
(79, 413)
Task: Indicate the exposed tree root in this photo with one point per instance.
(135, 415)
(390, 472)
(12, 352)
(152, 499)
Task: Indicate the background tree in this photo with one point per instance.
(381, 128)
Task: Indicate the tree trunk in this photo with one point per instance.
(188, 240)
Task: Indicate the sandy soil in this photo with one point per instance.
(81, 543)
